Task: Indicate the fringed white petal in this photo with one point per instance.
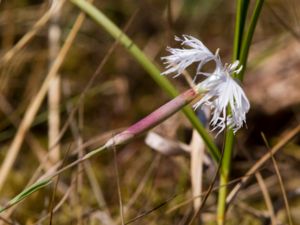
(181, 58)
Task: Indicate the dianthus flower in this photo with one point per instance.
(219, 88)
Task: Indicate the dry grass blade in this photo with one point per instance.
(283, 141)
(208, 192)
(33, 142)
(54, 92)
(51, 205)
(286, 203)
(97, 191)
(267, 197)
(259, 213)
(197, 156)
(93, 78)
(118, 185)
(203, 194)
(99, 68)
(36, 103)
(87, 168)
(265, 192)
(76, 128)
(283, 23)
(142, 184)
(5, 221)
(151, 210)
(28, 36)
(59, 204)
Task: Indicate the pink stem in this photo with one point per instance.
(153, 119)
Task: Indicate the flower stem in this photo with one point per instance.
(114, 31)
(153, 119)
(224, 176)
(241, 14)
(240, 52)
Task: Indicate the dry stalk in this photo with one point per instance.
(197, 154)
(60, 203)
(34, 105)
(54, 35)
(267, 197)
(32, 141)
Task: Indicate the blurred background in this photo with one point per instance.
(154, 186)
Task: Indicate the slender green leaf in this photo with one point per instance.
(248, 38)
(240, 22)
(26, 192)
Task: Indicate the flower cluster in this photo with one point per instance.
(221, 90)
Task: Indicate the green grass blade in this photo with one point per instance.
(240, 22)
(114, 31)
(46, 181)
(248, 38)
(26, 192)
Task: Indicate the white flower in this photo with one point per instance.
(180, 59)
(220, 89)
